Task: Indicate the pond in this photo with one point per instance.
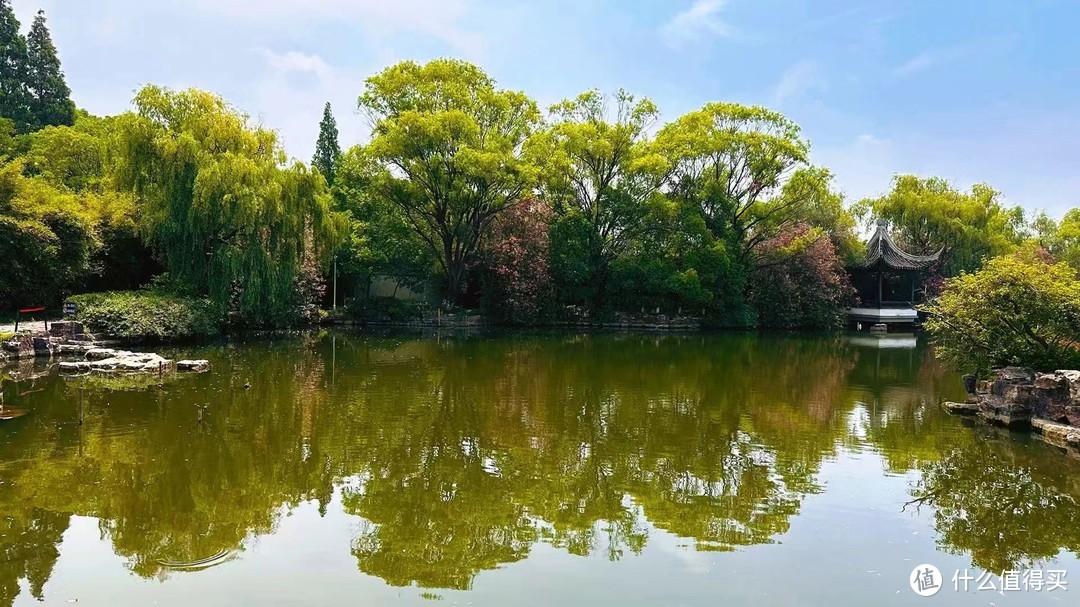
(531, 469)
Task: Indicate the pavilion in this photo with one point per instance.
(888, 282)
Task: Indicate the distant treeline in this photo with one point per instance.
(466, 189)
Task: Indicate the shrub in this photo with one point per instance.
(385, 309)
(150, 315)
(1020, 309)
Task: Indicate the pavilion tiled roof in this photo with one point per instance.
(884, 250)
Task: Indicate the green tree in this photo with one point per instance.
(735, 162)
(449, 143)
(675, 264)
(1060, 239)
(380, 240)
(46, 240)
(50, 97)
(228, 218)
(598, 175)
(1019, 309)
(81, 160)
(14, 96)
(928, 215)
(327, 150)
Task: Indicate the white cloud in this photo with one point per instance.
(926, 61)
(798, 80)
(932, 58)
(864, 166)
(290, 96)
(437, 18)
(701, 19)
(295, 61)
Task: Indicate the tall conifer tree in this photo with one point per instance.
(14, 97)
(50, 97)
(327, 149)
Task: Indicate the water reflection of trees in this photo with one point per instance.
(460, 455)
(1002, 503)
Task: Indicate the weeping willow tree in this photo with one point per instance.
(228, 217)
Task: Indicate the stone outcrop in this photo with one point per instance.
(107, 360)
(69, 339)
(1019, 398)
(20, 346)
(197, 366)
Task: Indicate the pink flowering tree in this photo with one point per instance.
(799, 281)
(516, 274)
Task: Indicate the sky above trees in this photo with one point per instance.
(879, 87)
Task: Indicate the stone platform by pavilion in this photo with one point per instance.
(889, 282)
(1021, 399)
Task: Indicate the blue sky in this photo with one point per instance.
(970, 90)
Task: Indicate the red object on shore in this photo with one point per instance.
(29, 310)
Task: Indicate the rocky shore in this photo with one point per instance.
(79, 352)
(1018, 398)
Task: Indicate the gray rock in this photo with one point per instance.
(1073, 379)
(43, 347)
(1015, 375)
(100, 354)
(998, 411)
(65, 328)
(85, 337)
(961, 408)
(1054, 433)
(20, 346)
(105, 364)
(197, 366)
(75, 367)
(1051, 397)
(1005, 379)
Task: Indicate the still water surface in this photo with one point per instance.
(524, 470)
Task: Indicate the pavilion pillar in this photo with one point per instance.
(880, 298)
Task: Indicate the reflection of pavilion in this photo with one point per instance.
(899, 341)
(888, 282)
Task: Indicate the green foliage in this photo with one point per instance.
(929, 215)
(148, 315)
(14, 96)
(380, 240)
(50, 97)
(734, 162)
(1020, 309)
(33, 92)
(385, 309)
(675, 264)
(227, 217)
(327, 149)
(46, 241)
(597, 173)
(573, 265)
(449, 146)
(76, 158)
(1060, 239)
